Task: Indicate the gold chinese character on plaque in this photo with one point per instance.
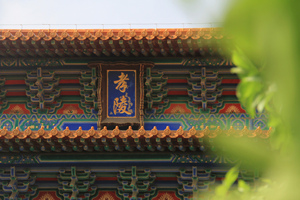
(122, 105)
(122, 84)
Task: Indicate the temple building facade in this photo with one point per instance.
(121, 114)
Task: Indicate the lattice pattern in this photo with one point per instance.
(17, 185)
(136, 185)
(42, 91)
(204, 91)
(88, 81)
(3, 101)
(76, 183)
(155, 91)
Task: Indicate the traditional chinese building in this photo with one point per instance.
(117, 114)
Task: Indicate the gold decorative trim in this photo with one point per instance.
(205, 133)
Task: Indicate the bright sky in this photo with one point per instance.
(138, 13)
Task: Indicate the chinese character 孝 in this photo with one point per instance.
(122, 84)
(122, 104)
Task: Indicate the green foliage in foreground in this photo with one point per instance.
(230, 178)
(266, 52)
(252, 91)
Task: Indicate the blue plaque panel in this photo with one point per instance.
(121, 93)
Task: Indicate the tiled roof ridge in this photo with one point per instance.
(117, 133)
(105, 34)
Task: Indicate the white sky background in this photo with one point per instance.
(88, 13)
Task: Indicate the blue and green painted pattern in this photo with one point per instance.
(174, 121)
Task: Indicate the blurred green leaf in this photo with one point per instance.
(250, 152)
(221, 191)
(244, 64)
(230, 177)
(243, 186)
(250, 91)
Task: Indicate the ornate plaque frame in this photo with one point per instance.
(104, 119)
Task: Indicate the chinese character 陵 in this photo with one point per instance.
(122, 104)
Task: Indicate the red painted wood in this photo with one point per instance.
(16, 109)
(70, 93)
(177, 81)
(229, 93)
(15, 82)
(232, 107)
(233, 81)
(12, 94)
(69, 81)
(177, 92)
(70, 108)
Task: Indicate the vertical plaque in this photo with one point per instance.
(121, 94)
